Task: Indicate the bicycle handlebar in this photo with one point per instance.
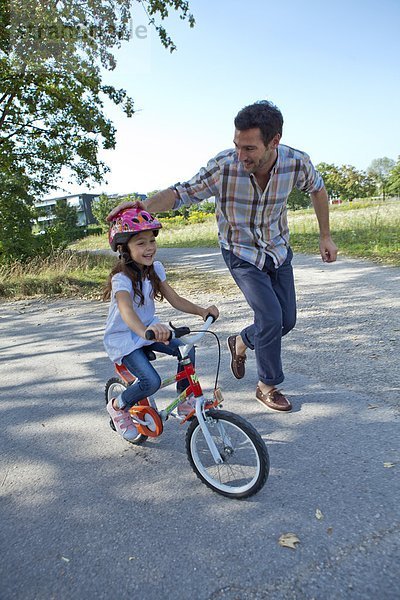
(150, 335)
(178, 332)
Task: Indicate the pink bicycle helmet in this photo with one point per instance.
(128, 222)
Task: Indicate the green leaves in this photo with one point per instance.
(52, 95)
(346, 182)
(298, 199)
(160, 8)
(393, 181)
(51, 91)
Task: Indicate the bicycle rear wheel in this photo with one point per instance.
(114, 387)
(245, 465)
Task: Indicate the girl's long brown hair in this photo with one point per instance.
(129, 268)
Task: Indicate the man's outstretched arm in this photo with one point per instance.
(327, 246)
(160, 202)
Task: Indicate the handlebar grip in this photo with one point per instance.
(150, 335)
(212, 317)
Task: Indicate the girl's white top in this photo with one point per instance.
(119, 340)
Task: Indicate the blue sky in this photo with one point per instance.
(333, 70)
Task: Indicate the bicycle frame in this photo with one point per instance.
(189, 373)
(224, 450)
(194, 386)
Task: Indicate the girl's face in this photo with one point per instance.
(142, 248)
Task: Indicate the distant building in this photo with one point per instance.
(82, 203)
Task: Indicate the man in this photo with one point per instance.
(251, 183)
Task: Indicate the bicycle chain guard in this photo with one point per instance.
(154, 425)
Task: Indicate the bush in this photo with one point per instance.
(207, 206)
(94, 230)
(16, 239)
(298, 199)
(197, 217)
(175, 220)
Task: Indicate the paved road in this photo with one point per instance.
(83, 515)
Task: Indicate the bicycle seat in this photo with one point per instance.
(149, 353)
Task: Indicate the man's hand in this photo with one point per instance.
(328, 249)
(122, 206)
(160, 202)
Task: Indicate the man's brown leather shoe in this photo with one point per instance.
(273, 399)
(237, 360)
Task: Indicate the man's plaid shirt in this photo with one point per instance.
(251, 223)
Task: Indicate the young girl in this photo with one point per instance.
(132, 286)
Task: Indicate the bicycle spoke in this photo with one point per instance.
(241, 465)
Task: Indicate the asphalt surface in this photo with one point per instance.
(85, 515)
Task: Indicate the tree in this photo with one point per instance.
(345, 182)
(355, 184)
(101, 208)
(105, 204)
(52, 91)
(16, 216)
(298, 199)
(379, 170)
(16, 239)
(66, 222)
(393, 182)
(52, 94)
(332, 179)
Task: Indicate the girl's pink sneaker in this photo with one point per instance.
(122, 421)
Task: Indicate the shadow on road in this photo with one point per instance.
(86, 515)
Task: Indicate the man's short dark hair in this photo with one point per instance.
(264, 115)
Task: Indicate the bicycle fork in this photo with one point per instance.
(207, 436)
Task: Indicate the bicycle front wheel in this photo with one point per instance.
(245, 465)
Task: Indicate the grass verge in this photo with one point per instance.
(363, 230)
(67, 274)
(83, 275)
(369, 232)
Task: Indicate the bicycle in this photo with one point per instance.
(225, 451)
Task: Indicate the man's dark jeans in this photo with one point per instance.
(271, 295)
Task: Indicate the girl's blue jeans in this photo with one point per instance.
(270, 293)
(149, 380)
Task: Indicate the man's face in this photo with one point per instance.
(251, 150)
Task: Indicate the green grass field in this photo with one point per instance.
(368, 230)
(365, 231)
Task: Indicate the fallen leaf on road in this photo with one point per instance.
(289, 540)
(319, 515)
(371, 406)
(388, 465)
(65, 559)
(329, 531)
(132, 558)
